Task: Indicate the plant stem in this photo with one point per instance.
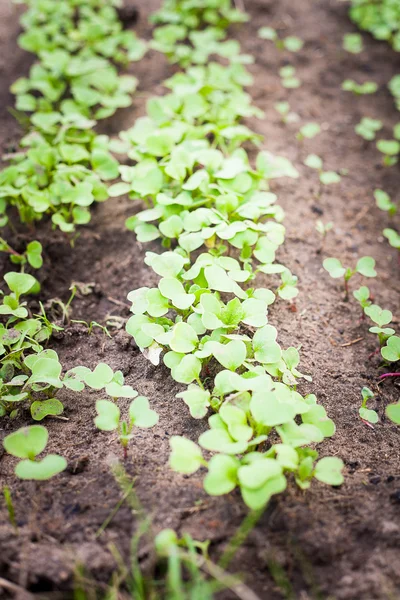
(389, 375)
(241, 534)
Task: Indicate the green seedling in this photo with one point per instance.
(381, 318)
(288, 77)
(365, 267)
(140, 415)
(291, 43)
(393, 412)
(362, 295)
(393, 237)
(326, 177)
(323, 228)
(308, 131)
(287, 115)
(391, 352)
(369, 87)
(31, 256)
(384, 202)
(27, 443)
(365, 413)
(390, 150)
(367, 128)
(353, 43)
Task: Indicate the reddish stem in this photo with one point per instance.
(125, 452)
(389, 375)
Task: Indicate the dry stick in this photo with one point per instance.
(13, 587)
(352, 342)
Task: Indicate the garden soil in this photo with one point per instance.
(323, 543)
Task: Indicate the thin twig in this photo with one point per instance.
(352, 342)
(13, 587)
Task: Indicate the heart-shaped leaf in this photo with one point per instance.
(40, 470)
(141, 414)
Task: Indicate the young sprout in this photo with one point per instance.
(393, 412)
(365, 413)
(353, 43)
(384, 202)
(362, 295)
(32, 254)
(287, 116)
(309, 130)
(381, 318)
(291, 43)
(390, 150)
(323, 228)
(369, 87)
(27, 443)
(367, 128)
(391, 352)
(393, 237)
(326, 177)
(288, 77)
(365, 266)
(140, 415)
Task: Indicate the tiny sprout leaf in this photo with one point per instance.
(48, 467)
(329, 470)
(186, 457)
(141, 414)
(365, 266)
(334, 267)
(27, 442)
(108, 415)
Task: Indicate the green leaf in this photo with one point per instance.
(258, 498)
(329, 470)
(314, 162)
(231, 355)
(46, 370)
(310, 130)
(27, 442)
(46, 468)
(44, 408)
(197, 400)
(141, 414)
(352, 42)
(267, 410)
(20, 283)
(267, 33)
(222, 475)
(378, 315)
(266, 349)
(393, 412)
(334, 267)
(108, 415)
(365, 266)
(391, 351)
(186, 457)
(368, 415)
(293, 43)
(329, 177)
(34, 254)
(184, 338)
(105, 165)
(187, 370)
(100, 377)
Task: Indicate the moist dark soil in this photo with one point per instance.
(337, 543)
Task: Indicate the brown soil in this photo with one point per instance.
(341, 544)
